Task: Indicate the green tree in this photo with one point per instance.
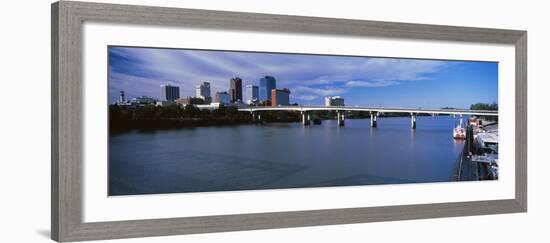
(484, 106)
(191, 110)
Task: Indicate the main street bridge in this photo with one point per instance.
(374, 112)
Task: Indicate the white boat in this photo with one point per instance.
(459, 133)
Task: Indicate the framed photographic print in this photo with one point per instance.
(176, 121)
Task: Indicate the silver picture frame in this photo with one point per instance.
(67, 119)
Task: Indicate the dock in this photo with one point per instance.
(479, 158)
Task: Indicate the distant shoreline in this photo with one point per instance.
(161, 125)
(150, 117)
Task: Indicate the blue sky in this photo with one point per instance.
(365, 81)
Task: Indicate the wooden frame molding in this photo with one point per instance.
(67, 119)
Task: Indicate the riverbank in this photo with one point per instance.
(123, 119)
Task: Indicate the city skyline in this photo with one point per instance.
(365, 81)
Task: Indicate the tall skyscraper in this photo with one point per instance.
(203, 90)
(236, 89)
(280, 97)
(251, 94)
(267, 84)
(169, 92)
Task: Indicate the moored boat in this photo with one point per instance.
(459, 133)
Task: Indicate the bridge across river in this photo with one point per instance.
(374, 112)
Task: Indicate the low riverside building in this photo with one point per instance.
(206, 99)
(280, 97)
(190, 101)
(222, 97)
(214, 106)
(143, 100)
(165, 103)
(334, 101)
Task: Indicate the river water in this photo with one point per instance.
(283, 155)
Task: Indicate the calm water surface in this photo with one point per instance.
(283, 156)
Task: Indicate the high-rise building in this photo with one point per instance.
(121, 98)
(267, 84)
(280, 97)
(203, 90)
(334, 101)
(251, 94)
(236, 89)
(222, 98)
(169, 92)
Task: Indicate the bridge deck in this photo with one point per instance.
(370, 109)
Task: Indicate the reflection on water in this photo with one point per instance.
(283, 156)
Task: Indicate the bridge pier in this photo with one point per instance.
(413, 120)
(341, 122)
(305, 119)
(373, 119)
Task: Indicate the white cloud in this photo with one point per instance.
(326, 91)
(305, 97)
(382, 83)
(400, 69)
(309, 93)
